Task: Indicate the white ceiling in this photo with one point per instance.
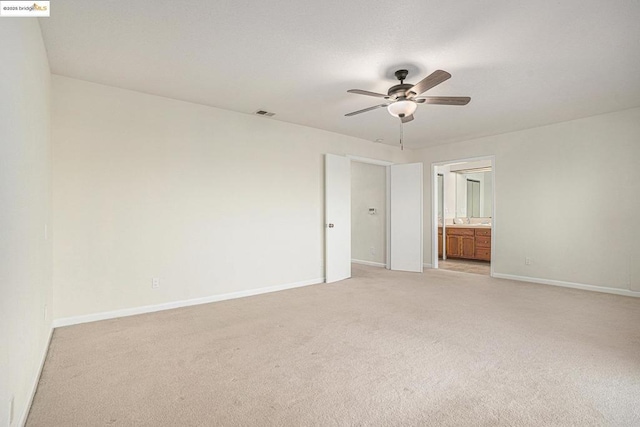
(524, 63)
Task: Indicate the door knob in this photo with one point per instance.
(330, 225)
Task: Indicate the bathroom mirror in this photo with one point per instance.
(474, 194)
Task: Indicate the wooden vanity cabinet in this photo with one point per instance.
(439, 242)
(469, 243)
(454, 245)
(483, 244)
(460, 242)
(468, 247)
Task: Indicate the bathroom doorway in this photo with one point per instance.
(464, 215)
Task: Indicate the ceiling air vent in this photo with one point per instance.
(264, 113)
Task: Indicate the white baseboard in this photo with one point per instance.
(68, 321)
(371, 263)
(380, 264)
(625, 292)
(34, 387)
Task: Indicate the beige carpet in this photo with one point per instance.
(382, 349)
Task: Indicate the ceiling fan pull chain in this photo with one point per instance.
(401, 136)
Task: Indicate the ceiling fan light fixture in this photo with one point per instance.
(402, 108)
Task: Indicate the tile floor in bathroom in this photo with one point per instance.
(466, 266)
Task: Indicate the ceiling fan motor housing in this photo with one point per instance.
(399, 91)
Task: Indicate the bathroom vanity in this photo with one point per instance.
(467, 241)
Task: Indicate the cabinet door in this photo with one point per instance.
(468, 247)
(440, 245)
(453, 246)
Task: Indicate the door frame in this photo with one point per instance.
(434, 208)
(387, 166)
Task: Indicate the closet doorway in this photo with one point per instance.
(369, 214)
(403, 248)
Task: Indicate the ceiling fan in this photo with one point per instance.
(403, 98)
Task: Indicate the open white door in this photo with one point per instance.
(406, 217)
(337, 202)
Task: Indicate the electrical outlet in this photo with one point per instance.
(372, 250)
(11, 410)
(155, 283)
(528, 261)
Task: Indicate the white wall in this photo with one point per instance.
(208, 200)
(368, 232)
(566, 196)
(25, 208)
(487, 195)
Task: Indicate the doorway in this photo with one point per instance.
(404, 215)
(368, 214)
(464, 215)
